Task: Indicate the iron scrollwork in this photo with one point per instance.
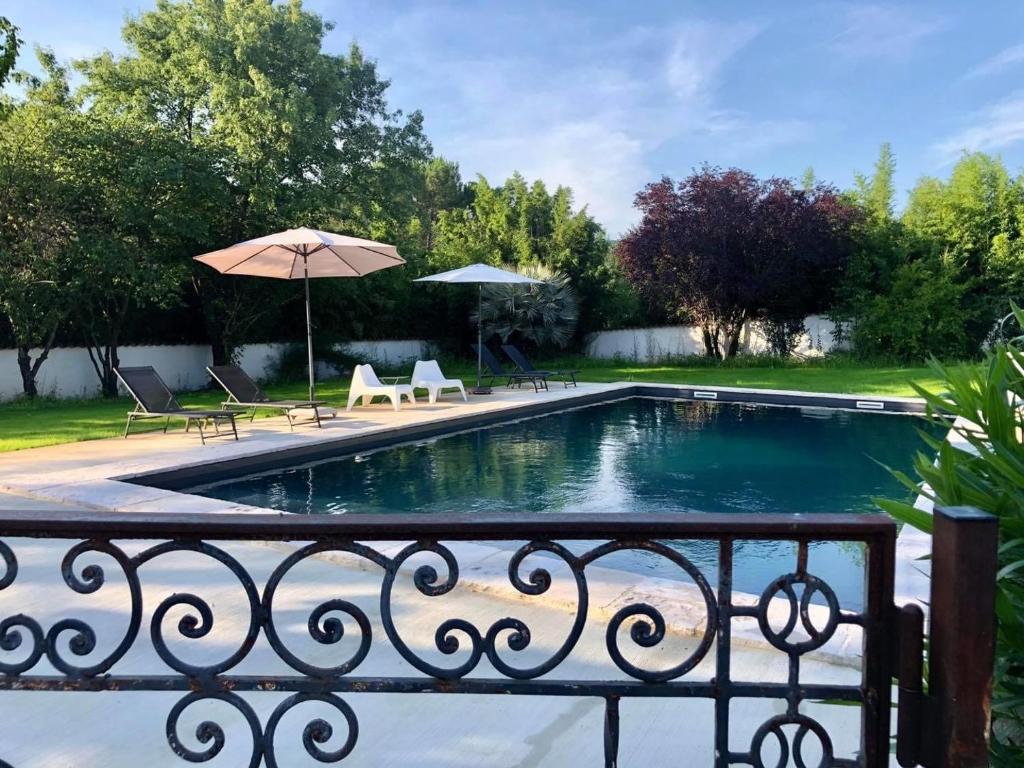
(24, 642)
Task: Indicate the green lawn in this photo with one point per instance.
(26, 424)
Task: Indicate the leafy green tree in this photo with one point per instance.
(299, 136)
(522, 223)
(146, 203)
(877, 194)
(808, 180)
(881, 246)
(441, 189)
(1005, 266)
(932, 282)
(919, 315)
(972, 222)
(9, 45)
(35, 234)
(37, 197)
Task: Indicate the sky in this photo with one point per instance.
(605, 96)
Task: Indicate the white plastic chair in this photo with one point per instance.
(366, 385)
(426, 374)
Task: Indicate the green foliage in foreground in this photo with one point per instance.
(28, 424)
(988, 473)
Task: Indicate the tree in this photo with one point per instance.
(34, 238)
(36, 227)
(882, 245)
(299, 136)
(723, 248)
(146, 204)
(441, 189)
(808, 180)
(877, 194)
(9, 45)
(917, 316)
(973, 224)
(523, 224)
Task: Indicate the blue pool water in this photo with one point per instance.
(635, 455)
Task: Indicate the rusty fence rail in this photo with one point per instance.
(63, 655)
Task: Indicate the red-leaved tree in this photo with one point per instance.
(722, 248)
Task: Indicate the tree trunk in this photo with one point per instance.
(30, 368)
(28, 376)
(110, 378)
(734, 340)
(221, 351)
(710, 341)
(104, 360)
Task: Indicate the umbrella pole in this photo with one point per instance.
(479, 332)
(480, 389)
(309, 328)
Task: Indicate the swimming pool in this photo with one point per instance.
(633, 455)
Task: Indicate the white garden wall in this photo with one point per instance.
(648, 345)
(68, 372)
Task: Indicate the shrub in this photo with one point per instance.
(291, 363)
(783, 336)
(989, 475)
(921, 316)
(545, 314)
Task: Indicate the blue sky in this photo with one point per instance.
(605, 96)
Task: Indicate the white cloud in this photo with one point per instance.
(699, 52)
(1003, 60)
(604, 166)
(882, 31)
(994, 128)
(583, 109)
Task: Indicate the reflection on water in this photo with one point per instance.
(637, 455)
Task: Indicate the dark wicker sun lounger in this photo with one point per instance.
(539, 379)
(245, 395)
(153, 400)
(525, 366)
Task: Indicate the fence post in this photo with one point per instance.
(961, 651)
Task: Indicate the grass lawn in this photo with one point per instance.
(25, 424)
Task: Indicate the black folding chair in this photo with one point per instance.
(154, 400)
(245, 394)
(539, 379)
(525, 366)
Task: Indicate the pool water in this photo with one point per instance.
(635, 455)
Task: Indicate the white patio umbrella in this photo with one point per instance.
(301, 254)
(479, 274)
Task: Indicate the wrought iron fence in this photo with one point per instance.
(63, 655)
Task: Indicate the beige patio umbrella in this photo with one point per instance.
(299, 254)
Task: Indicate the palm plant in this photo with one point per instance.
(985, 469)
(545, 314)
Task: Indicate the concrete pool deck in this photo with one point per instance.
(395, 729)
